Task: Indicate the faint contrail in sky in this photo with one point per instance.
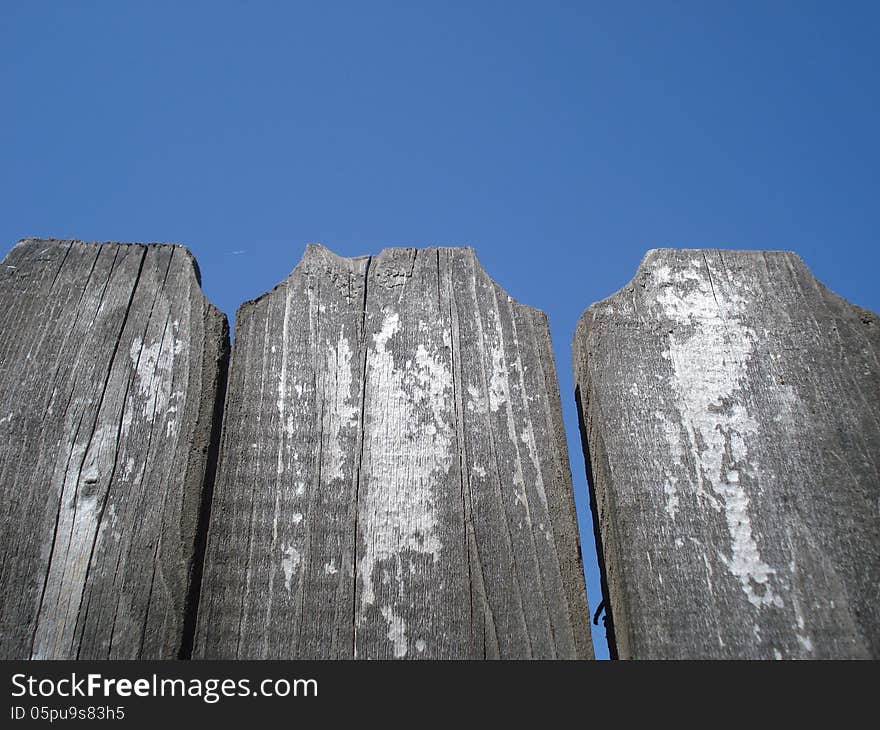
(235, 253)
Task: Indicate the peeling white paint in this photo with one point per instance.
(290, 560)
(706, 384)
(390, 325)
(134, 350)
(498, 393)
(342, 413)
(150, 396)
(402, 456)
(528, 438)
(477, 401)
(396, 631)
(669, 489)
(152, 362)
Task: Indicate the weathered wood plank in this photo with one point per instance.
(111, 361)
(393, 478)
(731, 413)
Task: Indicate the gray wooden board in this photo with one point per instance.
(393, 479)
(731, 411)
(110, 365)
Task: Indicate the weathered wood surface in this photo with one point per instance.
(393, 479)
(731, 408)
(110, 364)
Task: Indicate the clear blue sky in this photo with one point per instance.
(560, 139)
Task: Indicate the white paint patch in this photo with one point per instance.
(709, 349)
(669, 489)
(290, 560)
(134, 350)
(434, 377)
(152, 363)
(498, 393)
(342, 412)
(396, 631)
(330, 568)
(390, 325)
(663, 275)
(147, 366)
(403, 455)
(477, 401)
(150, 395)
(296, 518)
(528, 438)
(421, 645)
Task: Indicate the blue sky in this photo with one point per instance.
(560, 139)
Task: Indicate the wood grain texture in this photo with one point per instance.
(111, 362)
(731, 411)
(393, 481)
